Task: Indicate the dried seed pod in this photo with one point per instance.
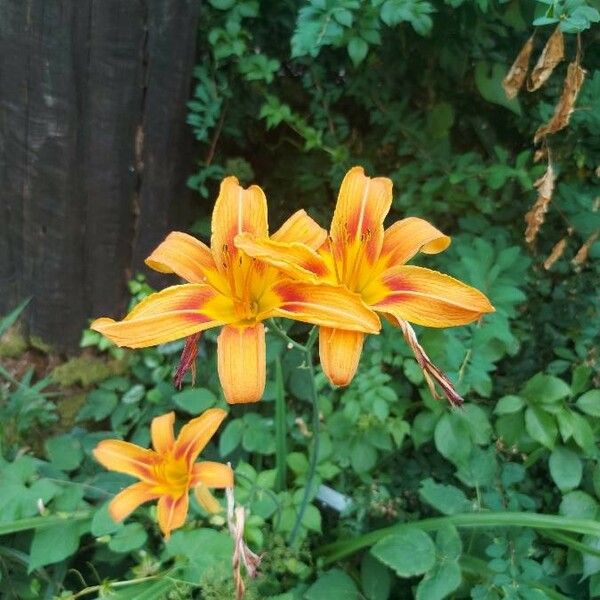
(555, 253)
(582, 253)
(552, 54)
(536, 215)
(517, 74)
(564, 108)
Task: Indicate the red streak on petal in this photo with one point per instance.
(289, 293)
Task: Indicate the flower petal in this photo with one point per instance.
(195, 434)
(241, 356)
(172, 513)
(293, 258)
(173, 313)
(301, 228)
(126, 501)
(403, 239)
(357, 225)
(124, 457)
(188, 257)
(161, 430)
(236, 210)
(212, 474)
(322, 304)
(206, 500)
(340, 351)
(426, 297)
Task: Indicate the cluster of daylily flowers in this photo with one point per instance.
(339, 281)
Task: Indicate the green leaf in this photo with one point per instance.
(447, 499)
(408, 553)
(64, 451)
(131, 537)
(440, 582)
(332, 584)
(579, 505)
(508, 405)
(589, 403)
(222, 4)
(53, 544)
(582, 432)
(376, 580)
(11, 318)
(102, 523)
(195, 400)
(99, 404)
(448, 543)
(453, 438)
(488, 79)
(541, 426)
(363, 456)
(134, 395)
(231, 437)
(565, 468)
(297, 462)
(545, 389)
(312, 518)
(357, 50)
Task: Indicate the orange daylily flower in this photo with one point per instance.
(230, 289)
(360, 255)
(168, 472)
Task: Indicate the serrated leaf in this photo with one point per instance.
(589, 403)
(131, 537)
(376, 580)
(408, 553)
(541, 426)
(565, 468)
(447, 499)
(332, 584)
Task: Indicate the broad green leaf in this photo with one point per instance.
(453, 438)
(447, 499)
(376, 580)
(440, 582)
(131, 537)
(64, 451)
(508, 405)
(195, 400)
(53, 544)
(231, 437)
(99, 404)
(363, 457)
(448, 543)
(102, 522)
(357, 50)
(541, 426)
(565, 468)
(589, 403)
(409, 553)
(579, 505)
(332, 584)
(488, 78)
(545, 389)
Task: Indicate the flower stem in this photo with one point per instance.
(314, 456)
(280, 429)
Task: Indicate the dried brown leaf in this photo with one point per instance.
(540, 154)
(555, 253)
(517, 74)
(536, 215)
(564, 108)
(582, 253)
(552, 54)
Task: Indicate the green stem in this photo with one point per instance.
(38, 522)
(280, 429)
(338, 550)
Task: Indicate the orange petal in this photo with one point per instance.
(322, 304)
(172, 513)
(212, 474)
(357, 225)
(173, 313)
(293, 258)
(339, 351)
(236, 210)
(206, 500)
(301, 228)
(241, 356)
(126, 501)
(161, 430)
(124, 457)
(405, 238)
(186, 256)
(427, 297)
(195, 434)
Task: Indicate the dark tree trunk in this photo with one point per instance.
(94, 151)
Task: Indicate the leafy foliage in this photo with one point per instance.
(291, 94)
